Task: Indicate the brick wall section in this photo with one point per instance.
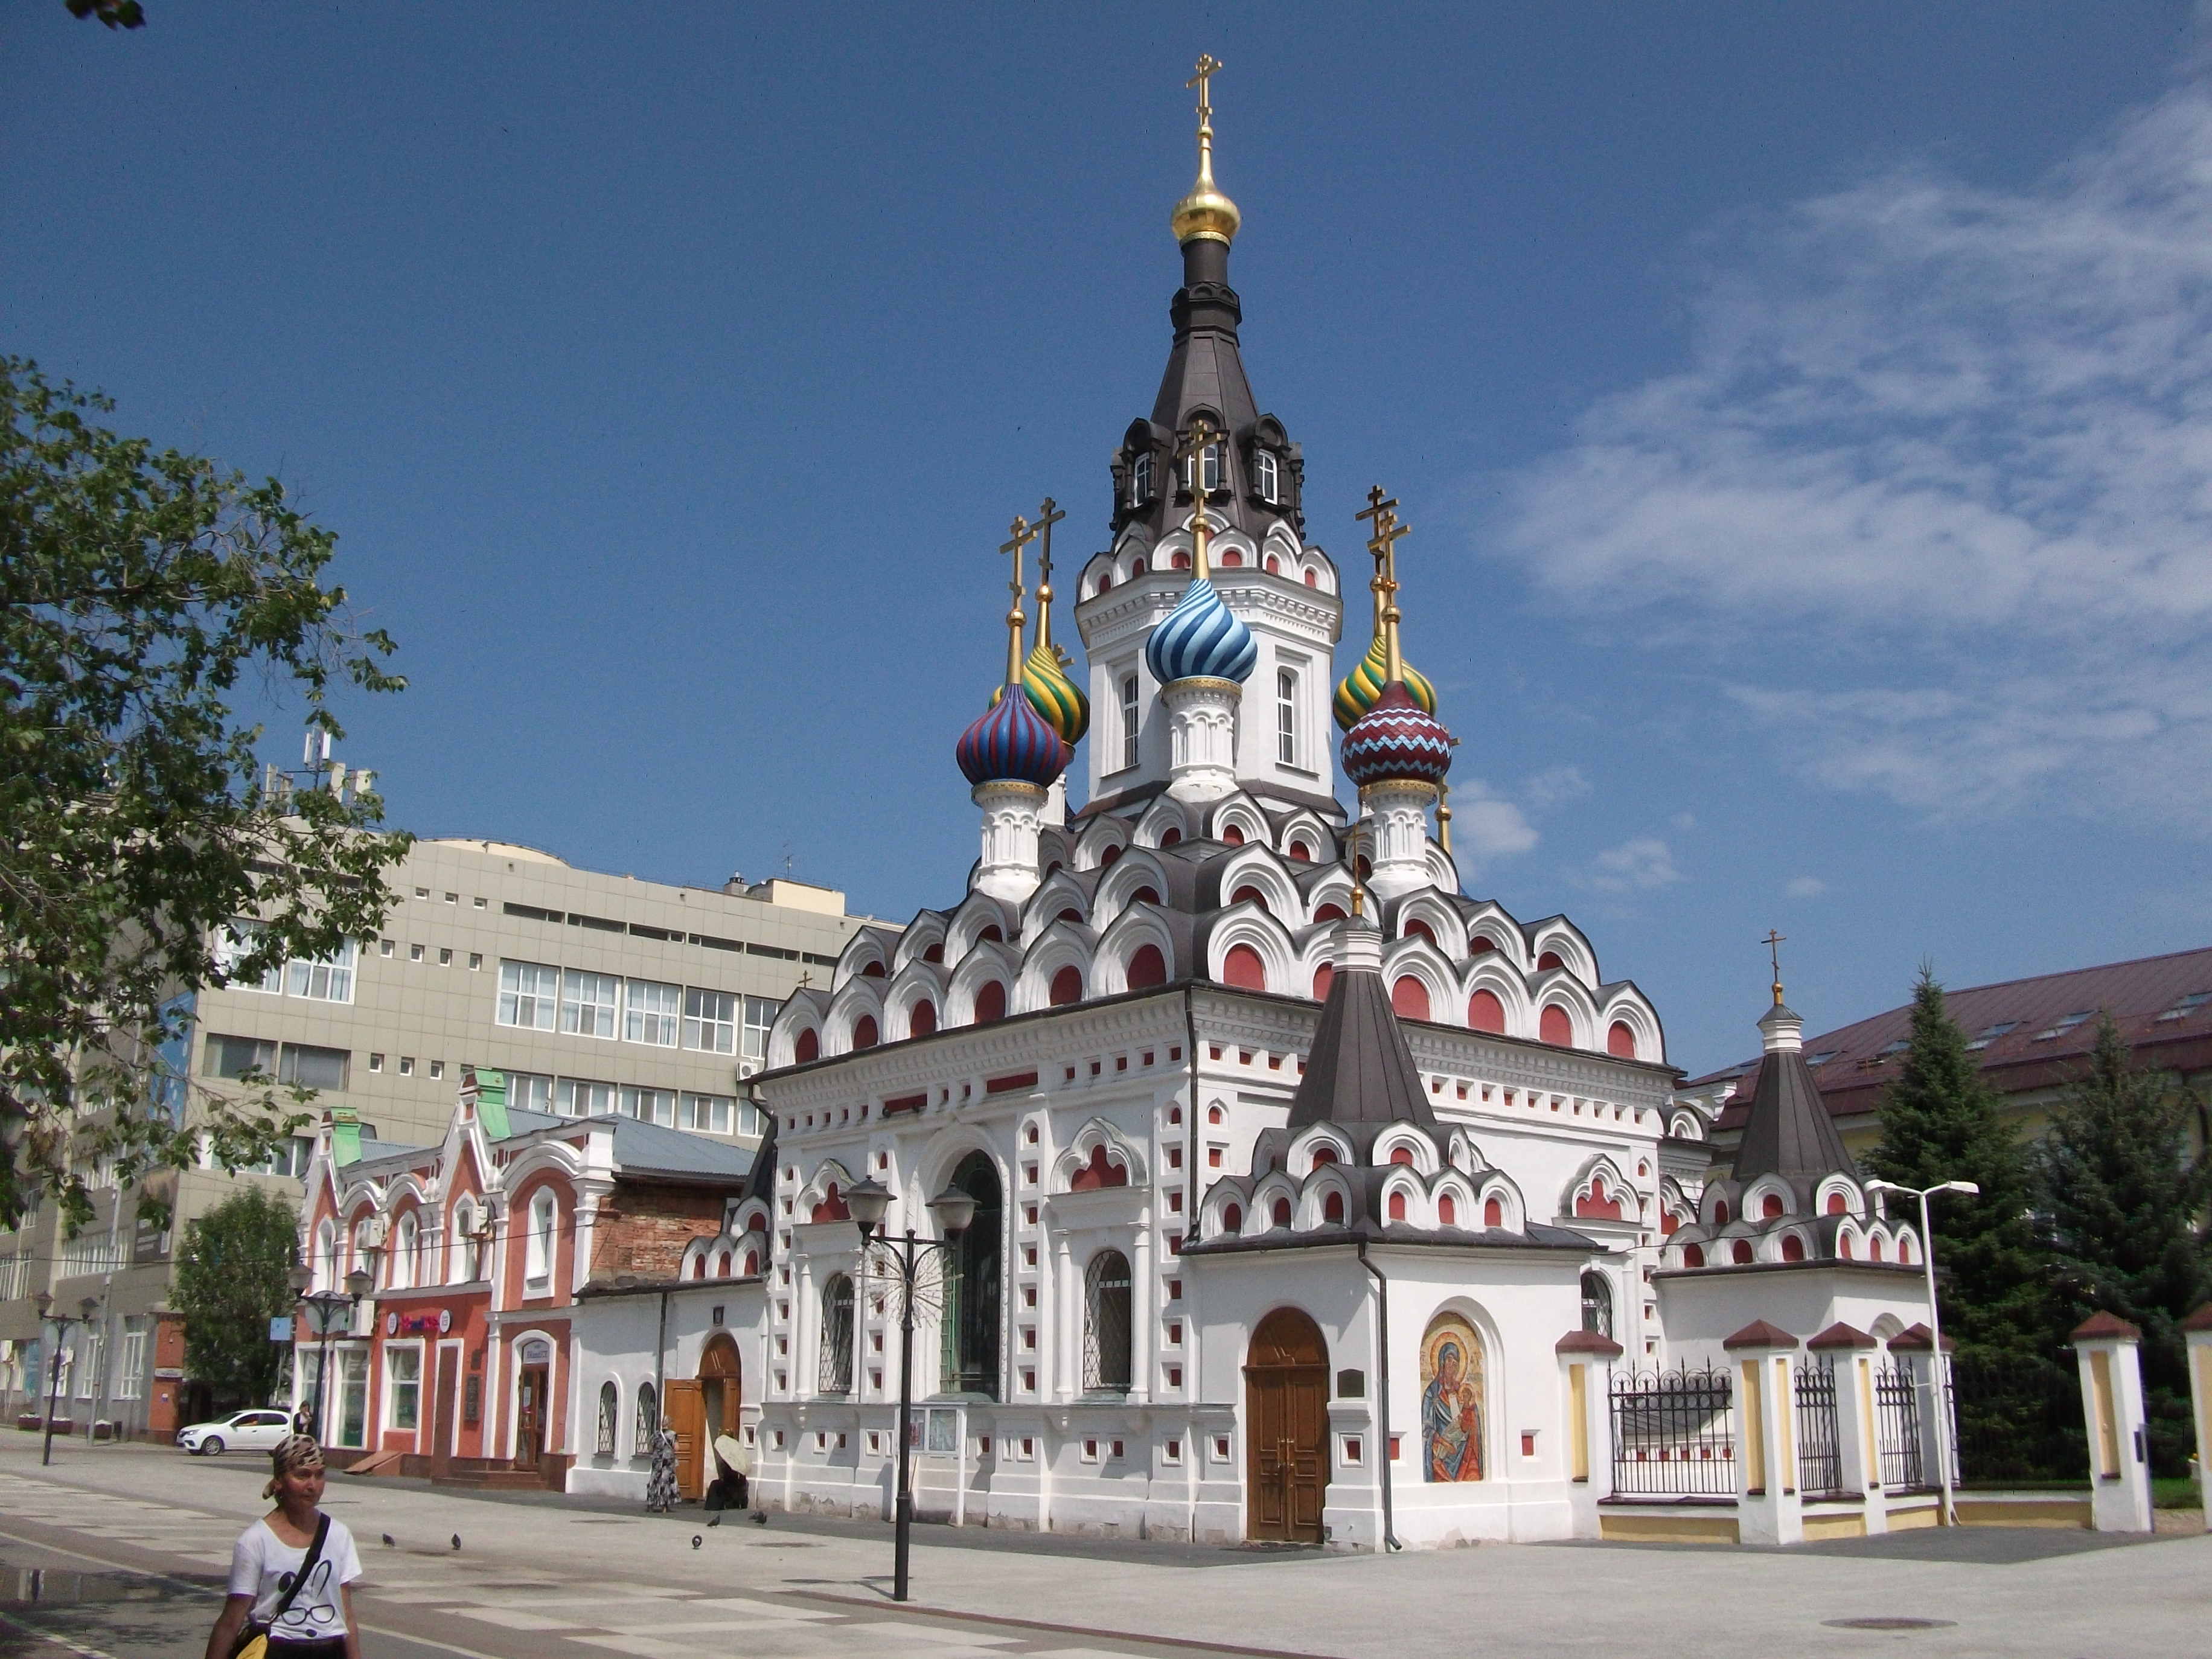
(643, 1228)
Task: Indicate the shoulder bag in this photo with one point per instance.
(253, 1636)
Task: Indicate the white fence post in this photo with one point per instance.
(2198, 1329)
(2108, 1350)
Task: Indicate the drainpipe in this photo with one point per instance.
(1383, 1384)
(659, 1357)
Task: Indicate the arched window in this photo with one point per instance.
(1211, 476)
(864, 1033)
(1874, 1247)
(1555, 1028)
(1324, 1154)
(722, 1265)
(1619, 1041)
(1147, 969)
(648, 1421)
(1128, 720)
(1397, 1210)
(1140, 481)
(970, 1324)
(1837, 1205)
(537, 1246)
(1324, 977)
(1770, 1207)
(1242, 969)
(1232, 1219)
(1300, 852)
(1742, 1253)
(1282, 1213)
(1286, 717)
(1179, 562)
(1484, 1012)
(1597, 1303)
(1410, 998)
(1793, 1248)
(1106, 1325)
(990, 1003)
(1720, 1212)
(1067, 987)
(406, 1240)
(808, 1048)
(1332, 1208)
(1231, 558)
(836, 1376)
(922, 1022)
(1232, 835)
(610, 1413)
(326, 1256)
(1447, 1211)
(1493, 1213)
(1263, 475)
(462, 1263)
(752, 1264)
(1274, 566)
(1693, 1256)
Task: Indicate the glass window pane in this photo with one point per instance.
(530, 1091)
(710, 1021)
(650, 1013)
(575, 1097)
(313, 1069)
(587, 1004)
(526, 993)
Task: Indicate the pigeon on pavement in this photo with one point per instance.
(457, 1540)
(715, 1520)
(387, 1540)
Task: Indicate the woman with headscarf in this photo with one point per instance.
(292, 1572)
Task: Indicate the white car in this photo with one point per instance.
(249, 1431)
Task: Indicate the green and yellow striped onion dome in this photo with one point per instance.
(1053, 696)
(1357, 692)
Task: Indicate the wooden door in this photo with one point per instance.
(1286, 1430)
(686, 1407)
(530, 1417)
(441, 1409)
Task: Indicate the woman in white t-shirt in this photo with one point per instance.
(318, 1622)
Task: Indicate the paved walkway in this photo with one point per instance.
(537, 1577)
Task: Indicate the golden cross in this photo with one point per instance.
(1047, 516)
(1208, 67)
(1024, 534)
(1202, 438)
(1383, 511)
(1773, 942)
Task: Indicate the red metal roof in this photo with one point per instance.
(2053, 1023)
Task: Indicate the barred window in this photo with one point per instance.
(1106, 1330)
(837, 1335)
(1597, 1303)
(609, 1410)
(648, 1421)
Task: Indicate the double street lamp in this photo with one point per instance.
(954, 1209)
(329, 1310)
(1939, 1367)
(87, 1308)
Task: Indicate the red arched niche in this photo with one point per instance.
(1619, 1041)
(1598, 1204)
(922, 1022)
(808, 1048)
(1067, 987)
(1324, 977)
(864, 1034)
(1410, 999)
(1484, 1012)
(990, 1003)
(1555, 1028)
(1242, 969)
(1100, 1172)
(1147, 969)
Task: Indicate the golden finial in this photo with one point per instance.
(1202, 437)
(1206, 214)
(1047, 516)
(1352, 857)
(1023, 536)
(1444, 817)
(1383, 545)
(1773, 942)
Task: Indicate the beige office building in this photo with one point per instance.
(595, 994)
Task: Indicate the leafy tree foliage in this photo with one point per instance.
(137, 591)
(1941, 1121)
(116, 14)
(232, 1279)
(2127, 1202)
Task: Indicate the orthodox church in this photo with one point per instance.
(1309, 1193)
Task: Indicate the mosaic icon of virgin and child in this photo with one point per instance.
(1451, 1400)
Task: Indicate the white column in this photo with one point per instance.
(1143, 1314)
(2198, 1325)
(1769, 1509)
(1395, 836)
(1013, 812)
(1070, 1299)
(1585, 1371)
(1201, 737)
(2108, 1351)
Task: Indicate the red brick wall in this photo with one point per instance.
(643, 1229)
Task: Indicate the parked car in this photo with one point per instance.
(248, 1430)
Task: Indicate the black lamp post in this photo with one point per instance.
(954, 1209)
(86, 1309)
(328, 1306)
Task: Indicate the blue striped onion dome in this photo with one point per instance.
(1053, 695)
(1357, 692)
(1201, 638)
(1012, 742)
(1396, 741)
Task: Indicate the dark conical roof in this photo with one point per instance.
(1361, 1075)
(1789, 1132)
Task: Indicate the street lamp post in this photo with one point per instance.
(327, 1305)
(954, 1209)
(1940, 1368)
(86, 1309)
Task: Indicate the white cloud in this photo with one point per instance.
(1485, 827)
(1641, 863)
(1683, 822)
(1937, 482)
(1549, 789)
(1806, 887)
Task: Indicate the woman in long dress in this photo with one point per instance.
(660, 1487)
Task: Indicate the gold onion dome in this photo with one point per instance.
(1356, 693)
(1206, 214)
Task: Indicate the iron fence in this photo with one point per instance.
(2018, 1422)
(1674, 1433)
(1819, 1455)
(1896, 1426)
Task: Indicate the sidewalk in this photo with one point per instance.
(2016, 1597)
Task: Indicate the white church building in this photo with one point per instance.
(1314, 1200)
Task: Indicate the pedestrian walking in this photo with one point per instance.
(660, 1486)
(291, 1572)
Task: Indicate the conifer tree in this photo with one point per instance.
(2127, 1202)
(1941, 1121)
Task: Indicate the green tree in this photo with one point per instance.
(138, 591)
(1941, 1121)
(2126, 1201)
(233, 1278)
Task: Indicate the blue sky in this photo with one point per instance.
(1804, 414)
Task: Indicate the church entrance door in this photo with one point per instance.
(530, 1418)
(720, 1397)
(1286, 1429)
